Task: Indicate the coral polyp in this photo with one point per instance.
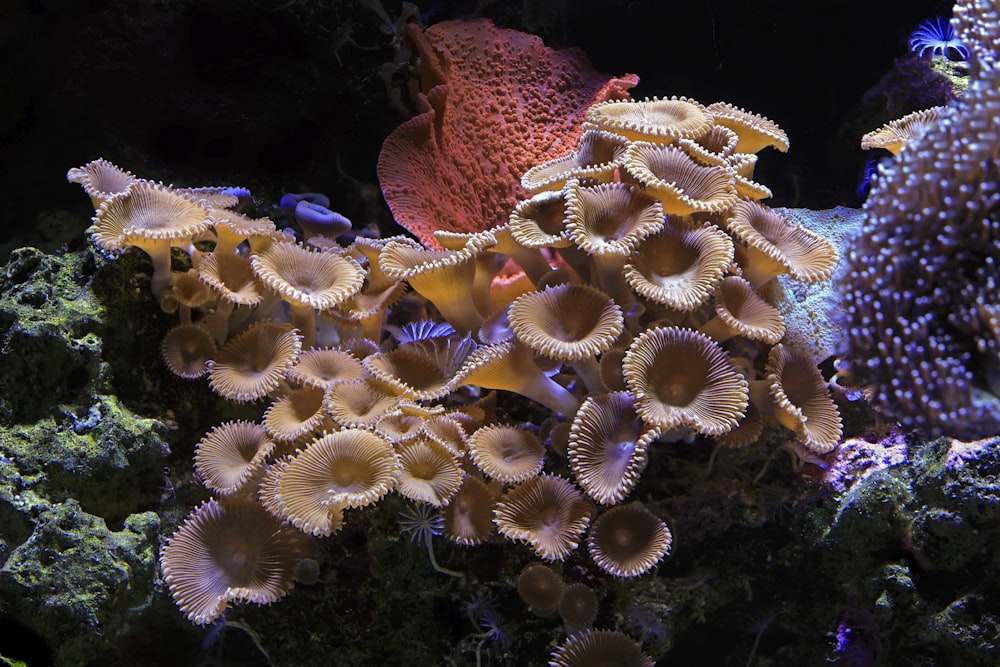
(938, 37)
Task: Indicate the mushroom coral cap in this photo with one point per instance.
(610, 218)
(682, 378)
(628, 540)
(353, 468)
(607, 446)
(225, 552)
(101, 179)
(254, 363)
(678, 181)
(802, 400)
(319, 280)
(231, 454)
(755, 131)
(680, 266)
(506, 453)
(804, 254)
(147, 211)
(540, 587)
(186, 350)
(896, 134)
(468, 518)
(232, 277)
(547, 512)
(740, 307)
(655, 120)
(599, 647)
(568, 322)
(428, 473)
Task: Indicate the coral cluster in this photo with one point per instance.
(922, 317)
(623, 298)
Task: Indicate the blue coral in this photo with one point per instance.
(937, 36)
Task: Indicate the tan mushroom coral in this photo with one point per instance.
(681, 265)
(547, 512)
(795, 394)
(682, 185)
(298, 413)
(186, 350)
(101, 180)
(746, 433)
(368, 309)
(232, 229)
(599, 647)
(896, 134)
(506, 453)
(352, 468)
(422, 370)
(511, 366)
(447, 430)
(681, 378)
(607, 446)
(443, 277)
(324, 367)
(755, 131)
(254, 363)
(740, 311)
(628, 540)
(578, 607)
(572, 323)
(305, 504)
(598, 154)
(190, 292)
(231, 455)
(713, 147)
(307, 280)
(359, 404)
(225, 552)
(468, 518)
(771, 245)
(151, 217)
(606, 222)
(540, 222)
(399, 427)
(213, 197)
(428, 473)
(541, 588)
(661, 121)
(741, 165)
(232, 279)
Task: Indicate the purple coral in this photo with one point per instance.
(920, 280)
(856, 458)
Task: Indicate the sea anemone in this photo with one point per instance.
(937, 36)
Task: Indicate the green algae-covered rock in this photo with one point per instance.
(76, 583)
(111, 461)
(49, 323)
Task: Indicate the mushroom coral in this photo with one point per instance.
(226, 552)
(494, 103)
(621, 297)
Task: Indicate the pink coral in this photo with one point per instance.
(496, 103)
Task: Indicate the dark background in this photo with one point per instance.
(257, 93)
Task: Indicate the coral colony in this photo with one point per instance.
(609, 260)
